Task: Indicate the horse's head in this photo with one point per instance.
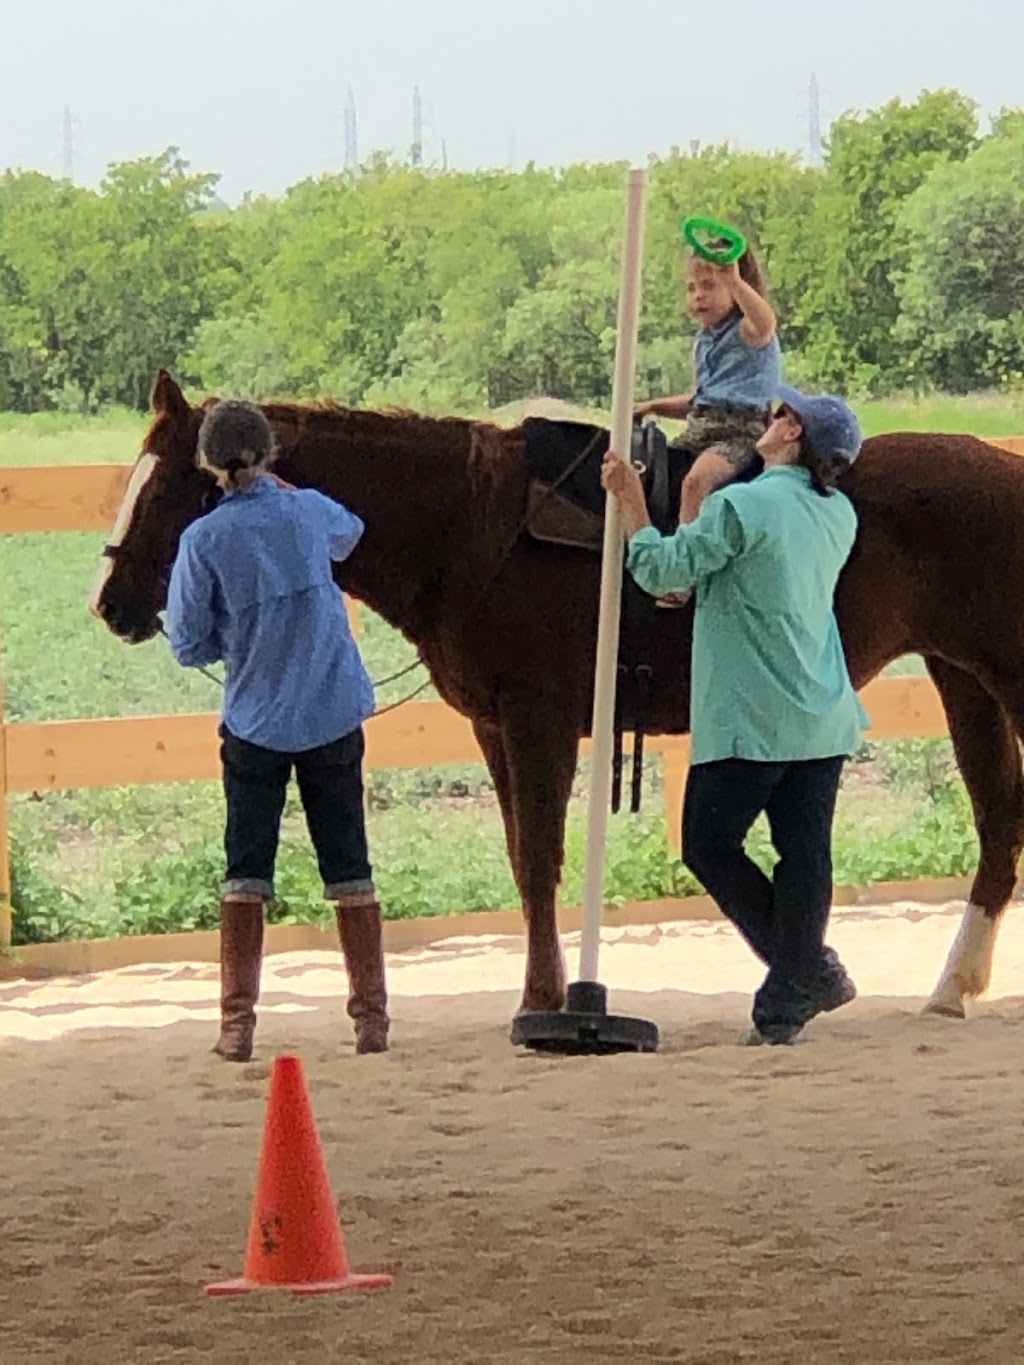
(166, 492)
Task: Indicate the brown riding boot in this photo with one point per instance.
(359, 929)
(241, 957)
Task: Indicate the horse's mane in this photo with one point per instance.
(486, 452)
(317, 415)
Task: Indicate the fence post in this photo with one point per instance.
(675, 765)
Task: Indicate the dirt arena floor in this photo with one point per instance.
(856, 1199)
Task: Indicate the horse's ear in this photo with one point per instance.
(287, 431)
(168, 399)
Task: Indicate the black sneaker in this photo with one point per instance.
(775, 1035)
(834, 988)
(837, 989)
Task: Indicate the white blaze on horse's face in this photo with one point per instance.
(144, 467)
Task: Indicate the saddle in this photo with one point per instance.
(564, 459)
(566, 508)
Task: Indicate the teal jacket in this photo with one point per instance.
(769, 677)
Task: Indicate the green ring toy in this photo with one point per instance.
(713, 241)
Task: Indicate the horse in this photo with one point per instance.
(507, 624)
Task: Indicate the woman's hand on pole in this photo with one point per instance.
(622, 480)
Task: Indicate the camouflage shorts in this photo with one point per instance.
(731, 432)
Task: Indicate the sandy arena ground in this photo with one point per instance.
(857, 1199)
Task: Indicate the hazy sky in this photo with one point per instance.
(256, 90)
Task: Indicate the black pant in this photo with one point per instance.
(784, 919)
(330, 782)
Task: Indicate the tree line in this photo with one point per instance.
(897, 264)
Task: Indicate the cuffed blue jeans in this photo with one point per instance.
(330, 780)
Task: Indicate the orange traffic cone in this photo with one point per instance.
(295, 1237)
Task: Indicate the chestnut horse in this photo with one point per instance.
(507, 625)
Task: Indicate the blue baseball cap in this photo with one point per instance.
(829, 424)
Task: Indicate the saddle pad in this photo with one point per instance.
(551, 449)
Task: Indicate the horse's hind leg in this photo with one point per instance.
(492, 746)
(988, 754)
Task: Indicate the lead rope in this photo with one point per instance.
(381, 682)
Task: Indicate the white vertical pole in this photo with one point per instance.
(611, 578)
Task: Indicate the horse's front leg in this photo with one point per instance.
(538, 751)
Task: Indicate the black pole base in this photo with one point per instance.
(584, 1027)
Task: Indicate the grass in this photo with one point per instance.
(984, 415)
(134, 859)
(61, 438)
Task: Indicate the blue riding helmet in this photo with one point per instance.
(830, 426)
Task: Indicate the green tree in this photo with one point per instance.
(51, 246)
(962, 292)
(461, 291)
(854, 244)
(160, 275)
(108, 286)
(559, 337)
(237, 356)
(323, 291)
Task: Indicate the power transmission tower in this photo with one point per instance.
(69, 144)
(351, 144)
(417, 127)
(814, 120)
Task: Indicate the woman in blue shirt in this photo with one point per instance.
(773, 712)
(252, 585)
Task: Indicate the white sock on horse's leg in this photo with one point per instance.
(968, 968)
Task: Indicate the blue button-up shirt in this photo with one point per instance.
(252, 585)
(730, 370)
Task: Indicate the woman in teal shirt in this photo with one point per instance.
(773, 712)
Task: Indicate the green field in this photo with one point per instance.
(142, 859)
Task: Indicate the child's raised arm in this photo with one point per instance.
(758, 325)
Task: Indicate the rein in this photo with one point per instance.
(377, 682)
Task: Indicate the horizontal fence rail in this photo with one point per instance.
(59, 755)
(38, 756)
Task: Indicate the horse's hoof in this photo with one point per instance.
(371, 1038)
(945, 1011)
(233, 1050)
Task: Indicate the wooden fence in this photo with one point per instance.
(61, 755)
